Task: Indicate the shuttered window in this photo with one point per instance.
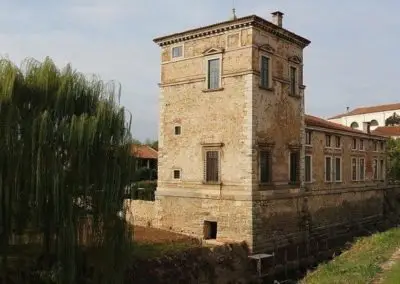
(328, 169)
(362, 168)
(294, 167)
(308, 168)
(212, 166)
(264, 72)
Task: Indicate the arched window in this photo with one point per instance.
(354, 125)
(374, 123)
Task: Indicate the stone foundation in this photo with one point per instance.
(268, 223)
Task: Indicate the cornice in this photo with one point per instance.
(218, 28)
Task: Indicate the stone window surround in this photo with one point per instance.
(206, 147)
(173, 174)
(269, 150)
(211, 54)
(176, 127)
(264, 53)
(333, 169)
(178, 57)
(357, 168)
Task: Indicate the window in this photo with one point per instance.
(177, 174)
(308, 168)
(337, 141)
(212, 166)
(382, 169)
(265, 72)
(213, 76)
(338, 169)
(382, 146)
(375, 168)
(177, 51)
(294, 167)
(293, 75)
(354, 144)
(177, 130)
(353, 169)
(308, 137)
(361, 144)
(375, 145)
(327, 140)
(265, 167)
(362, 169)
(210, 230)
(328, 168)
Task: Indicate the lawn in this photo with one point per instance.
(393, 275)
(361, 263)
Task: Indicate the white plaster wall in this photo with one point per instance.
(361, 118)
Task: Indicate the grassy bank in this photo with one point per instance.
(361, 263)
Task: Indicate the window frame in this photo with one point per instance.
(172, 52)
(382, 169)
(297, 175)
(375, 169)
(325, 169)
(375, 146)
(176, 127)
(326, 140)
(308, 135)
(269, 165)
(354, 144)
(293, 85)
(305, 169)
(335, 169)
(207, 149)
(359, 169)
(356, 170)
(361, 145)
(338, 138)
(173, 174)
(269, 71)
(209, 58)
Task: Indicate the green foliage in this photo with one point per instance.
(361, 263)
(393, 275)
(393, 148)
(145, 174)
(64, 157)
(393, 120)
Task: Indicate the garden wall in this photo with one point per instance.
(141, 212)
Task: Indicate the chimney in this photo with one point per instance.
(369, 127)
(277, 18)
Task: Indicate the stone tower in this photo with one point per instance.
(231, 126)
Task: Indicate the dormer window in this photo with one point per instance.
(177, 51)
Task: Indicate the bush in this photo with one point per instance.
(142, 190)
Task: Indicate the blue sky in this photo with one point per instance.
(353, 58)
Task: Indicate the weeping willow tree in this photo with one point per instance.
(64, 161)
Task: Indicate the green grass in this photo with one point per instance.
(393, 275)
(361, 263)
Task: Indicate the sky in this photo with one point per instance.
(352, 61)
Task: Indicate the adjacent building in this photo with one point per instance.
(237, 154)
(367, 118)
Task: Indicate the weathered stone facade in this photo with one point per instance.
(235, 90)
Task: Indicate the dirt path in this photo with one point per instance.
(387, 266)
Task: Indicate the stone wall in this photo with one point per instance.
(141, 212)
(224, 264)
(285, 219)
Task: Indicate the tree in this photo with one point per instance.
(392, 120)
(64, 158)
(393, 148)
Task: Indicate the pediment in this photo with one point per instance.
(296, 59)
(266, 47)
(213, 50)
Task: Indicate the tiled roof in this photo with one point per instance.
(144, 152)
(319, 122)
(372, 109)
(387, 131)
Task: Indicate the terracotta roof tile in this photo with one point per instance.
(387, 131)
(144, 152)
(372, 109)
(319, 122)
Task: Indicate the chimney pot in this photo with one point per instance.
(277, 18)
